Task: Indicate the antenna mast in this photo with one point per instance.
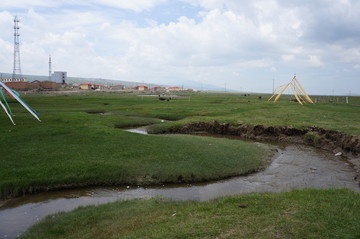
(49, 67)
(17, 76)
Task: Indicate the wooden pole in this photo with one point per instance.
(295, 94)
(275, 92)
(281, 92)
(302, 89)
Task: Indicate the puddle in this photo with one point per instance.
(141, 130)
(296, 167)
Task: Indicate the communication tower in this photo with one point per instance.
(49, 67)
(17, 76)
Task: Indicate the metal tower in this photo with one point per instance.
(17, 67)
(49, 67)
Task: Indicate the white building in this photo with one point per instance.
(59, 77)
(19, 79)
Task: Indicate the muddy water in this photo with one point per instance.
(295, 167)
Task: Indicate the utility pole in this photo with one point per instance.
(17, 65)
(49, 67)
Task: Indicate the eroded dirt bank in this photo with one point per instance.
(330, 140)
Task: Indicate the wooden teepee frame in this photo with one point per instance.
(297, 90)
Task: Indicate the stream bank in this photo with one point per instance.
(330, 140)
(294, 167)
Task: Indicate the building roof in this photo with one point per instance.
(88, 84)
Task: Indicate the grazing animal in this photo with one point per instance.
(260, 97)
(164, 98)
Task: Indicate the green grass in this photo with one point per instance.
(298, 214)
(236, 109)
(74, 146)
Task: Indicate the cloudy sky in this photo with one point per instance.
(237, 44)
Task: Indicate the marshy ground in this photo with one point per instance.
(79, 143)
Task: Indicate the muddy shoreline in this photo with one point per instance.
(329, 140)
(295, 167)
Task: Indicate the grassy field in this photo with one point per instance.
(75, 146)
(208, 106)
(298, 214)
(235, 108)
(79, 143)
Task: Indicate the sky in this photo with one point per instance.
(232, 44)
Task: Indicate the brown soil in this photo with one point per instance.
(330, 140)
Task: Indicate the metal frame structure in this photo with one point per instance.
(17, 66)
(297, 90)
(15, 96)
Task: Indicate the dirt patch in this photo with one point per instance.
(96, 112)
(99, 112)
(330, 140)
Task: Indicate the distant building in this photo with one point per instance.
(174, 88)
(48, 85)
(20, 85)
(159, 89)
(21, 79)
(141, 87)
(40, 85)
(91, 86)
(59, 77)
(117, 87)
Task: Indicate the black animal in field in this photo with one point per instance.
(164, 98)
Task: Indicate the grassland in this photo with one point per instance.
(79, 143)
(298, 214)
(74, 146)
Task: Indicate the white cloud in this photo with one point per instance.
(260, 63)
(24, 4)
(288, 58)
(273, 69)
(315, 61)
(228, 38)
(134, 5)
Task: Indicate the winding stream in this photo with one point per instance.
(295, 167)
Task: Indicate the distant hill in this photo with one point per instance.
(79, 80)
(184, 83)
